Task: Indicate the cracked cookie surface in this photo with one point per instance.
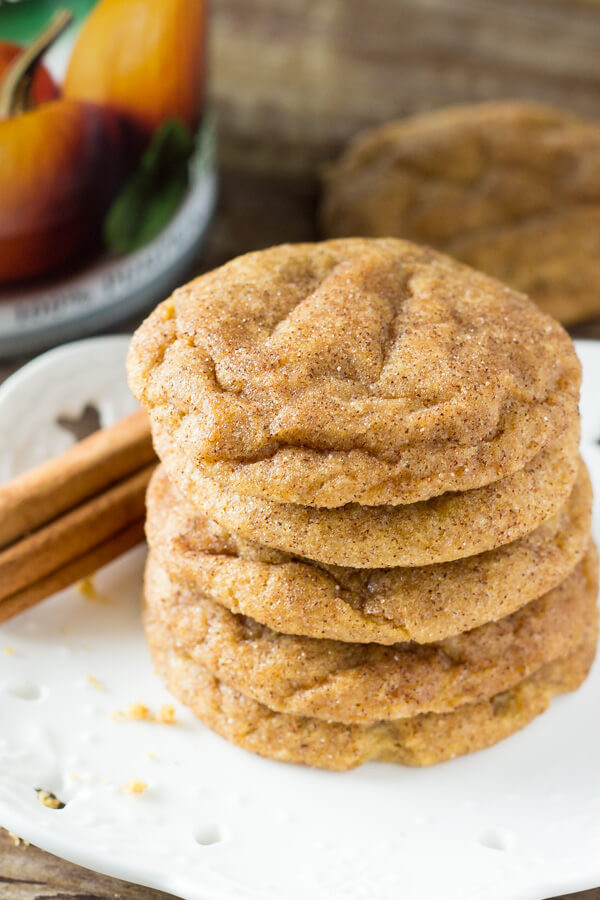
(353, 683)
(417, 741)
(511, 188)
(352, 371)
(445, 528)
(294, 595)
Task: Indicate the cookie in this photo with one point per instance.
(386, 606)
(441, 529)
(354, 371)
(511, 188)
(417, 741)
(365, 683)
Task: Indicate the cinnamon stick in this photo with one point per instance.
(73, 571)
(73, 534)
(90, 466)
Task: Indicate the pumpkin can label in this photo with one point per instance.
(107, 180)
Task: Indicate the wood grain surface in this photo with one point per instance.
(27, 873)
(293, 79)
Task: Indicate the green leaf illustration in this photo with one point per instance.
(153, 194)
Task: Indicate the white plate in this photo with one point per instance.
(519, 821)
(60, 383)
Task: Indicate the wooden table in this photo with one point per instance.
(254, 211)
(27, 873)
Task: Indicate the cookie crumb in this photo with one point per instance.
(141, 713)
(166, 715)
(135, 786)
(87, 588)
(136, 711)
(94, 682)
(48, 799)
(9, 650)
(18, 841)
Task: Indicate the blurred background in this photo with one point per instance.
(292, 80)
(287, 83)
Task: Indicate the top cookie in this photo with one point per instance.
(510, 188)
(367, 371)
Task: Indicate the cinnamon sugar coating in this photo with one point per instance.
(360, 370)
(452, 526)
(417, 741)
(294, 595)
(355, 683)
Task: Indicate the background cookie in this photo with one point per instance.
(418, 741)
(369, 371)
(443, 528)
(294, 596)
(510, 188)
(350, 683)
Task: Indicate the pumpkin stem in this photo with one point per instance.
(14, 96)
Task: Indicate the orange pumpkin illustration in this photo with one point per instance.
(144, 58)
(59, 170)
(61, 164)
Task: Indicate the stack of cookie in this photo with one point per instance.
(370, 532)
